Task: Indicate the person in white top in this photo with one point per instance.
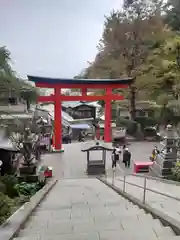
(115, 156)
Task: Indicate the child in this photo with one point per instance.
(155, 151)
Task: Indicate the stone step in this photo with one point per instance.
(165, 204)
(95, 236)
(40, 220)
(83, 216)
(65, 202)
(102, 235)
(56, 206)
(137, 228)
(86, 208)
(96, 212)
(116, 236)
(128, 212)
(37, 222)
(139, 220)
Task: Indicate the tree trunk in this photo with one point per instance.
(133, 102)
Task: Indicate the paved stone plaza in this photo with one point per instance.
(72, 163)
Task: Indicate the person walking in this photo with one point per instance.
(127, 158)
(155, 152)
(124, 147)
(115, 156)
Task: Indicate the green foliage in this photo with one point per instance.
(5, 58)
(130, 125)
(10, 84)
(20, 200)
(14, 194)
(9, 182)
(9, 205)
(12, 188)
(6, 205)
(2, 187)
(29, 94)
(137, 42)
(28, 189)
(176, 172)
(173, 14)
(146, 121)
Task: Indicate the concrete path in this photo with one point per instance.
(167, 205)
(86, 209)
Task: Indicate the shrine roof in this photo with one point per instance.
(47, 80)
(96, 146)
(74, 104)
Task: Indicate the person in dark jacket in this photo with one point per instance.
(115, 156)
(127, 158)
(81, 136)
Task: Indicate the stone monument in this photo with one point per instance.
(167, 157)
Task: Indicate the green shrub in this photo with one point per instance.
(130, 125)
(21, 200)
(176, 172)
(28, 189)
(146, 121)
(175, 120)
(6, 205)
(2, 187)
(10, 181)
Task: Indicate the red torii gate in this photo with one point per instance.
(84, 85)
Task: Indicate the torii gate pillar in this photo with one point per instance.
(57, 120)
(107, 128)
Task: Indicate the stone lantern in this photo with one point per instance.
(167, 158)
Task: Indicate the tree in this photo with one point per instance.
(10, 83)
(28, 94)
(162, 65)
(4, 61)
(136, 42)
(129, 35)
(7, 75)
(173, 14)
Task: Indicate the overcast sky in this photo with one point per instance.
(52, 38)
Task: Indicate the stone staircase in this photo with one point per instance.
(86, 209)
(169, 206)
